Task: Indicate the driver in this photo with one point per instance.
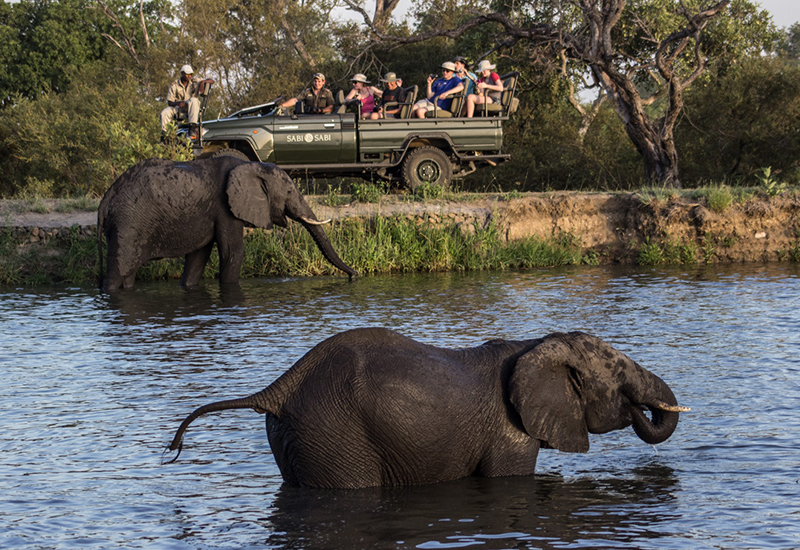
(316, 100)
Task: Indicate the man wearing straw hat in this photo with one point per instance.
(393, 94)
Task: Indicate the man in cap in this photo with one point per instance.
(316, 99)
(182, 97)
(391, 97)
(469, 79)
(440, 90)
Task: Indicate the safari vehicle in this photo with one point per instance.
(412, 151)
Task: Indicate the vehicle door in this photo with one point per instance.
(308, 139)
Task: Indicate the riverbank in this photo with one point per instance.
(55, 240)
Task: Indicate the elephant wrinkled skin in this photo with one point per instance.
(166, 209)
(371, 407)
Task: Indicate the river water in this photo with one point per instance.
(95, 385)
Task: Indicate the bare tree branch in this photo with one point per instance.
(144, 26)
(129, 47)
(297, 43)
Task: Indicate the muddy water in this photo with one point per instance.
(94, 386)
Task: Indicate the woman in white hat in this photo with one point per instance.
(364, 93)
(489, 87)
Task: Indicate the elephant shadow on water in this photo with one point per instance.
(157, 303)
(494, 513)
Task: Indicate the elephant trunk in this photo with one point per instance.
(324, 245)
(664, 410)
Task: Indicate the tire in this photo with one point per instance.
(230, 153)
(427, 165)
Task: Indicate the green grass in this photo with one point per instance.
(375, 246)
(671, 252)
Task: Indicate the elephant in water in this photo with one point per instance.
(371, 407)
(165, 209)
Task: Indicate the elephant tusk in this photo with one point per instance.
(670, 408)
(315, 222)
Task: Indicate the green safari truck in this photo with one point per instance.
(411, 151)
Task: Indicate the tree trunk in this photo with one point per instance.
(658, 153)
(654, 144)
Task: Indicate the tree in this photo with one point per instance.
(744, 119)
(642, 53)
(42, 42)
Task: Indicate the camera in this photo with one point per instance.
(432, 76)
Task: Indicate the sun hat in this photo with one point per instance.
(187, 69)
(485, 65)
(449, 66)
(358, 77)
(318, 76)
(389, 77)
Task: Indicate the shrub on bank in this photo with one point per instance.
(374, 246)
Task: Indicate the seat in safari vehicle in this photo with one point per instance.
(453, 111)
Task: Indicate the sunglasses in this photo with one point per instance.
(447, 71)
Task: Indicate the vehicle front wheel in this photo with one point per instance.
(230, 153)
(427, 166)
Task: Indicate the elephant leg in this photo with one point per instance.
(510, 459)
(194, 264)
(127, 282)
(119, 273)
(231, 255)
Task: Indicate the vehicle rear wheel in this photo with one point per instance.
(230, 153)
(427, 165)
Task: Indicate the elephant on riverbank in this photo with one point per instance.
(165, 209)
(371, 407)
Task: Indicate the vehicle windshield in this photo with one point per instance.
(265, 109)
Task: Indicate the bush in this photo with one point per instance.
(741, 119)
(78, 142)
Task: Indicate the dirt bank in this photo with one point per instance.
(614, 227)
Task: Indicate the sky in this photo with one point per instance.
(784, 12)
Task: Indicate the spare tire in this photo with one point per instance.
(230, 153)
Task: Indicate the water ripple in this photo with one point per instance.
(94, 386)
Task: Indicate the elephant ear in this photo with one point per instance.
(247, 197)
(545, 390)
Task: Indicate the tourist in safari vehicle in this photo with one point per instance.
(363, 93)
(440, 90)
(489, 87)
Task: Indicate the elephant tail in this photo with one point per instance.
(256, 402)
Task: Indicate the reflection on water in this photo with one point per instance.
(532, 510)
(94, 386)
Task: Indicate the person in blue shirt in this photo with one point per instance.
(440, 90)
